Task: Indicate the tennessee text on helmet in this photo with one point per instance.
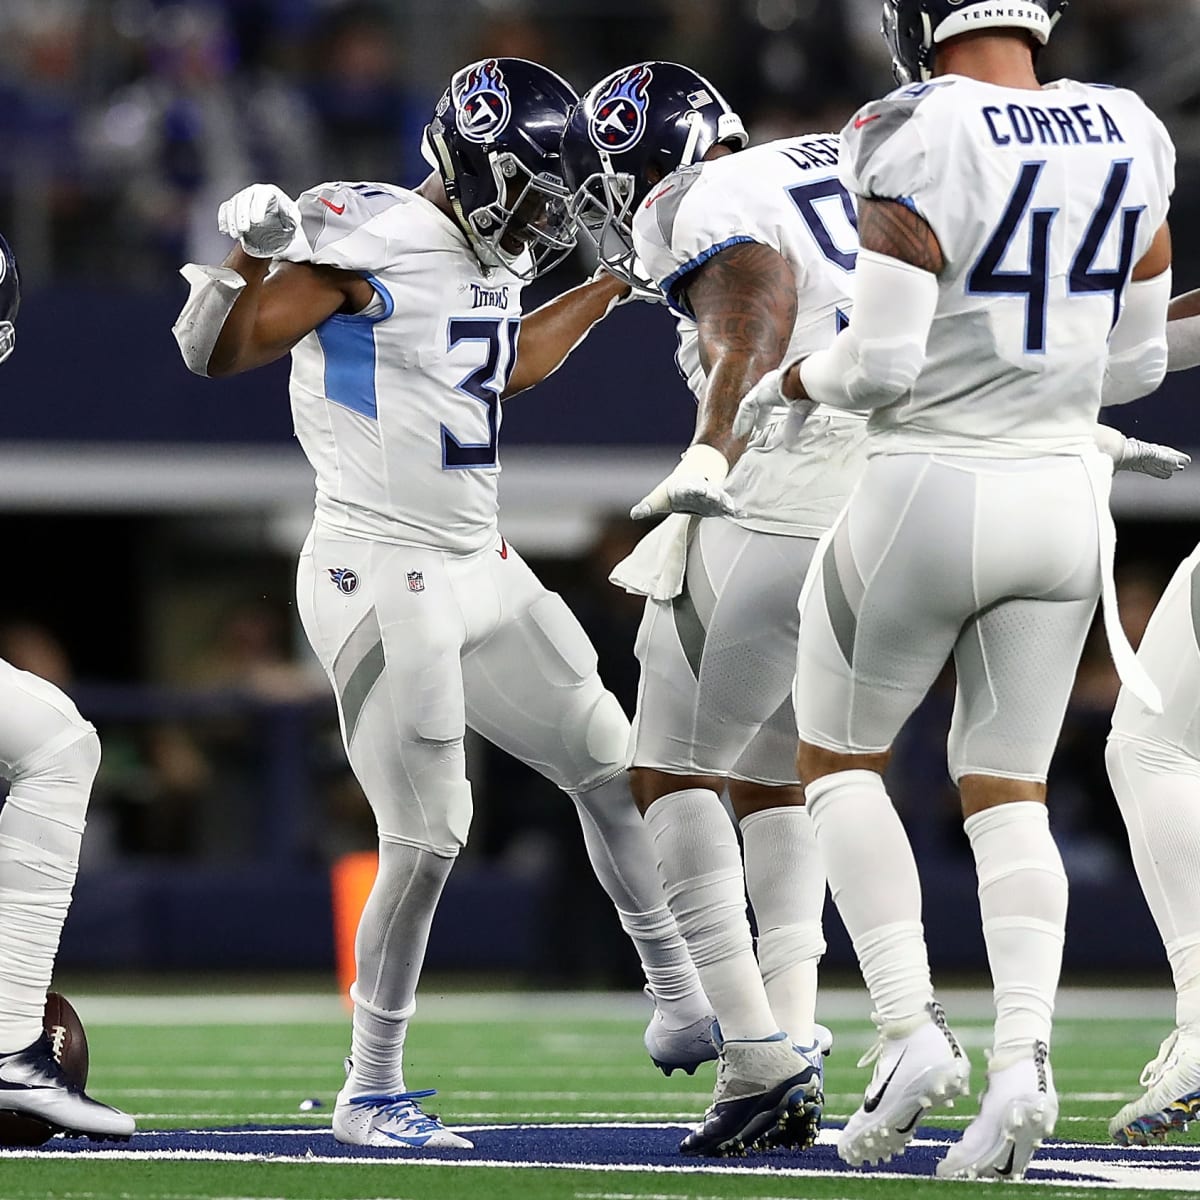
(914, 28)
(650, 114)
(494, 139)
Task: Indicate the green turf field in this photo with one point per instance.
(186, 1062)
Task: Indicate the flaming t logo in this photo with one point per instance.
(484, 107)
(619, 117)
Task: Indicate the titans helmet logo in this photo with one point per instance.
(484, 107)
(619, 114)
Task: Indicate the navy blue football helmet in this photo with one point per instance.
(635, 126)
(10, 299)
(494, 139)
(913, 29)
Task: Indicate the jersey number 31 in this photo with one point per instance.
(484, 384)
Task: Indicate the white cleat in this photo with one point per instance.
(679, 1049)
(1018, 1109)
(1172, 1096)
(913, 1074)
(393, 1122)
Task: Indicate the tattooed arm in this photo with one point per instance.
(878, 359)
(744, 302)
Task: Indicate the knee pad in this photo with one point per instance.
(54, 786)
(431, 807)
(786, 946)
(596, 735)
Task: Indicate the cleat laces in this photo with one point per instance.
(1157, 1067)
(403, 1105)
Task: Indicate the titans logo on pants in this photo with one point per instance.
(345, 580)
(484, 107)
(619, 115)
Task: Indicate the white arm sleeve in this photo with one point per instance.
(1137, 349)
(877, 359)
(1183, 344)
(214, 292)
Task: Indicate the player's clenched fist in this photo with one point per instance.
(262, 217)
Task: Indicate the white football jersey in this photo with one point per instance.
(397, 407)
(1042, 201)
(785, 195)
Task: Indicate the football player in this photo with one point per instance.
(1154, 766)
(402, 313)
(753, 249)
(1014, 274)
(49, 754)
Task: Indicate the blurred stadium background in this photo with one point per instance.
(151, 520)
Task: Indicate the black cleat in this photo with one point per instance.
(33, 1085)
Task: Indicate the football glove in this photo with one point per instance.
(1147, 458)
(262, 217)
(762, 400)
(693, 487)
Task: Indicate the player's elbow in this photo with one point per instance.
(1136, 373)
(862, 376)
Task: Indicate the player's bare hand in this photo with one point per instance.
(695, 486)
(1147, 458)
(762, 400)
(262, 217)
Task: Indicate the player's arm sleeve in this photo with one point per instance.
(1137, 349)
(1183, 332)
(877, 360)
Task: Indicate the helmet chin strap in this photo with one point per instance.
(439, 156)
(695, 128)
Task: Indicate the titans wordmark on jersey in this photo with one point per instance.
(398, 407)
(785, 195)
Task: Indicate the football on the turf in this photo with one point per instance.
(65, 1031)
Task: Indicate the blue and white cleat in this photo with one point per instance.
(392, 1121)
(1172, 1097)
(768, 1095)
(679, 1049)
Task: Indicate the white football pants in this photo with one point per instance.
(718, 660)
(993, 561)
(50, 755)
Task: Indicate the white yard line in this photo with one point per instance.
(1152, 1005)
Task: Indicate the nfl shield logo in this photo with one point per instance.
(416, 581)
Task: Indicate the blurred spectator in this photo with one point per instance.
(169, 147)
(370, 121)
(127, 122)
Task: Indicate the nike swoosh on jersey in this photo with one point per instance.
(859, 122)
(658, 195)
(329, 204)
(871, 1103)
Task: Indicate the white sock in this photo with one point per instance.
(619, 849)
(1158, 792)
(377, 1049)
(389, 950)
(1023, 903)
(786, 882)
(700, 863)
(874, 882)
(41, 827)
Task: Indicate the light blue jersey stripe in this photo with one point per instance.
(348, 343)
